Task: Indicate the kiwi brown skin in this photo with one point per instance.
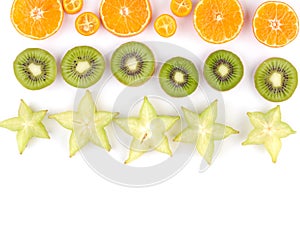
(82, 66)
(223, 70)
(179, 77)
(133, 63)
(35, 68)
(276, 79)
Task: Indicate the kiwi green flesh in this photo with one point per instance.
(223, 70)
(82, 66)
(179, 77)
(35, 68)
(133, 63)
(276, 79)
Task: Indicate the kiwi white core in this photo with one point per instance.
(83, 66)
(132, 63)
(179, 77)
(276, 79)
(35, 69)
(223, 70)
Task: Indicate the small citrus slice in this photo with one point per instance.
(165, 25)
(275, 24)
(72, 6)
(125, 18)
(218, 21)
(181, 8)
(37, 19)
(87, 23)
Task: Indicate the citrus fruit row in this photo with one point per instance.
(275, 24)
(165, 25)
(87, 23)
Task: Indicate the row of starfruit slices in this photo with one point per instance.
(148, 129)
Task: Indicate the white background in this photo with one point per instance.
(44, 186)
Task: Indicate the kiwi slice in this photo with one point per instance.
(35, 68)
(179, 77)
(82, 66)
(133, 63)
(223, 70)
(276, 79)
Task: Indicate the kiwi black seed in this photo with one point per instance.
(179, 77)
(82, 66)
(133, 63)
(223, 70)
(35, 68)
(276, 79)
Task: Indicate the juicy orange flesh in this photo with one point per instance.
(181, 7)
(165, 25)
(218, 20)
(87, 23)
(72, 5)
(275, 24)
(125, 16)
(37, 18)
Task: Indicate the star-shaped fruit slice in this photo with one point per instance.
(87, 124)
(203, 130)
(268, 130)
(148, 131)
(28, 124)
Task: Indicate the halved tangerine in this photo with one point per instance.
(87, 23)
(165, 25)
(181, 8)
(125, 18)
(37, 19)
(275, 24)
(72, 6)
(218, 21)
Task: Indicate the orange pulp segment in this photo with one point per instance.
(87, 23)
(125, 17)
(275, 24)
(72, 6)
(181, 8)
(165, 25)
(218, 21)
(37, 19)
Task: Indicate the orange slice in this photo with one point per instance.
(125, 17)
(218, 21)
(87, 23)
(181, 8)
(165, 25)
(275, 24)
(72, 6)
(37, 19)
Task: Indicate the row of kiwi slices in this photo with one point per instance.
(133, 63)
(81, 67)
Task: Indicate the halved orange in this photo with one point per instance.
(72, 6)
(181, 8)
(37, 19)
(87, 23)
(125, 17)
(165, 25)
(218, 21)
(275, 24)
